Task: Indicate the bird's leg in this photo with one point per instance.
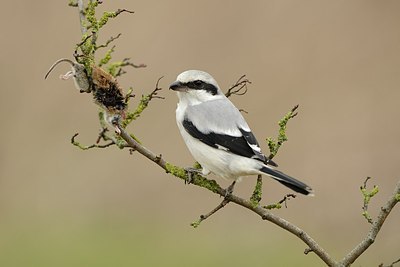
(190, 172)
(229, 189)
(114, 121)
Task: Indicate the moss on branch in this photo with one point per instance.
(274, 145)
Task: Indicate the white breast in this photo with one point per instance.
(217, 161)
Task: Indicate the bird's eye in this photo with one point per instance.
(198, 83)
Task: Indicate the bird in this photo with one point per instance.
(217, 135)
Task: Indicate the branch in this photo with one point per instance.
(82, 16)
(214, 187)
(123, 139)
(204, 217)
(239, 88)
(83, 147)
(265, 214)
(278, 205)
(367, 198)
(390, 265)
(109, 41)
(143, 104)
(275, 145)
(374, 231)
(116, 68)
(257, 192)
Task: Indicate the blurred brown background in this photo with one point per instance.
(60, 206)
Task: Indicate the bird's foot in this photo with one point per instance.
(229, 190)
(190, 172)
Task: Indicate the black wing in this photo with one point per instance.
(239, 145)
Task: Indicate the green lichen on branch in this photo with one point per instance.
(274, 148)
(257, 192)
(131, 116)
(367, 195)
(196, 179)
(73, 3)
(278, 204)
(397, 197)
(116, 68)
(274, 145)
(176, 171)
(91, 27)
(273, 206)
(143, 104)
(106, 58)
(83, 147)
(102, 121)
(196, 224)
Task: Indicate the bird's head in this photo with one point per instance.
(196, 87)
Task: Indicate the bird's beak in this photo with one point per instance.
(177, 86)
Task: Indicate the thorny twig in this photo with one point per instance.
(239, 88)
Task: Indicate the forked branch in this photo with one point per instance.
(123, 139)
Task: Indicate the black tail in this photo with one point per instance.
(288, 181)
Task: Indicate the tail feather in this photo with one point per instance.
(288, 181)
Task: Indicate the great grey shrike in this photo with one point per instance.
(217, 135)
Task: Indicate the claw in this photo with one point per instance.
(190, 172)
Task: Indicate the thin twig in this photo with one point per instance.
(367, 195)
(239, 88)
(205, 217)
(273, 145)
(144, 102)
(124, 63)
(390, 265)
(76, 143)
(263, 213)
(119, 11)
(154, 93)
(374, 230)
(112, 39)
(278, 205)
(256, 196)
(267, 215)
(102, 135)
